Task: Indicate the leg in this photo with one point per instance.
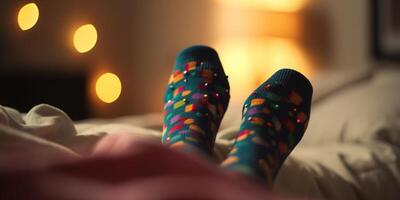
(275, 117)
(195, 101)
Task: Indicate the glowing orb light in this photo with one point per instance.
(28, 16)
(108, 87)
(85, 38)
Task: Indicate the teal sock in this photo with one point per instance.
(195, 100)
(275, 117)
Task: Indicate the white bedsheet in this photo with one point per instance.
(350, 151)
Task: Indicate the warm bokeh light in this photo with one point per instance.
(28, 16)
(249, 62)
(237, 65)
(276, 53)
(237, 22)
(254, 42)
(272, 5)
(108, 87)
(85, 38)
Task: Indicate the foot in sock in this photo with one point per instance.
(275, 117)
(196, 99)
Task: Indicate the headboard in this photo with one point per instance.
(23, 89)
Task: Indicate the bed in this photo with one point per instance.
(351, 149)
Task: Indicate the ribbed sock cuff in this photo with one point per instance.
(198, 53)
(293, 80)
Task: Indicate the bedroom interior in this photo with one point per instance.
(106, 65)
(304, 34)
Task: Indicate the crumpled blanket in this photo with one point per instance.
(41, 158)
(351, 150)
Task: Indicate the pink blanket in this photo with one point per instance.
(122, 167)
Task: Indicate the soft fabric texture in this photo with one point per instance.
(355, 158)
(275, 117)
(118, 165)
(124, 167)
(196, 99)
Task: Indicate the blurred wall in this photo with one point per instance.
(348, 31)
(138, 40)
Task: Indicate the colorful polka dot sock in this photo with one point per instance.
(195, 101)
(275, 117)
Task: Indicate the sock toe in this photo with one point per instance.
(199, 53)
(293, 80)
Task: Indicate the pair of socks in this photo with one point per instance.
(274, 116)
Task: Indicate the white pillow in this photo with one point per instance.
(365, 111)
